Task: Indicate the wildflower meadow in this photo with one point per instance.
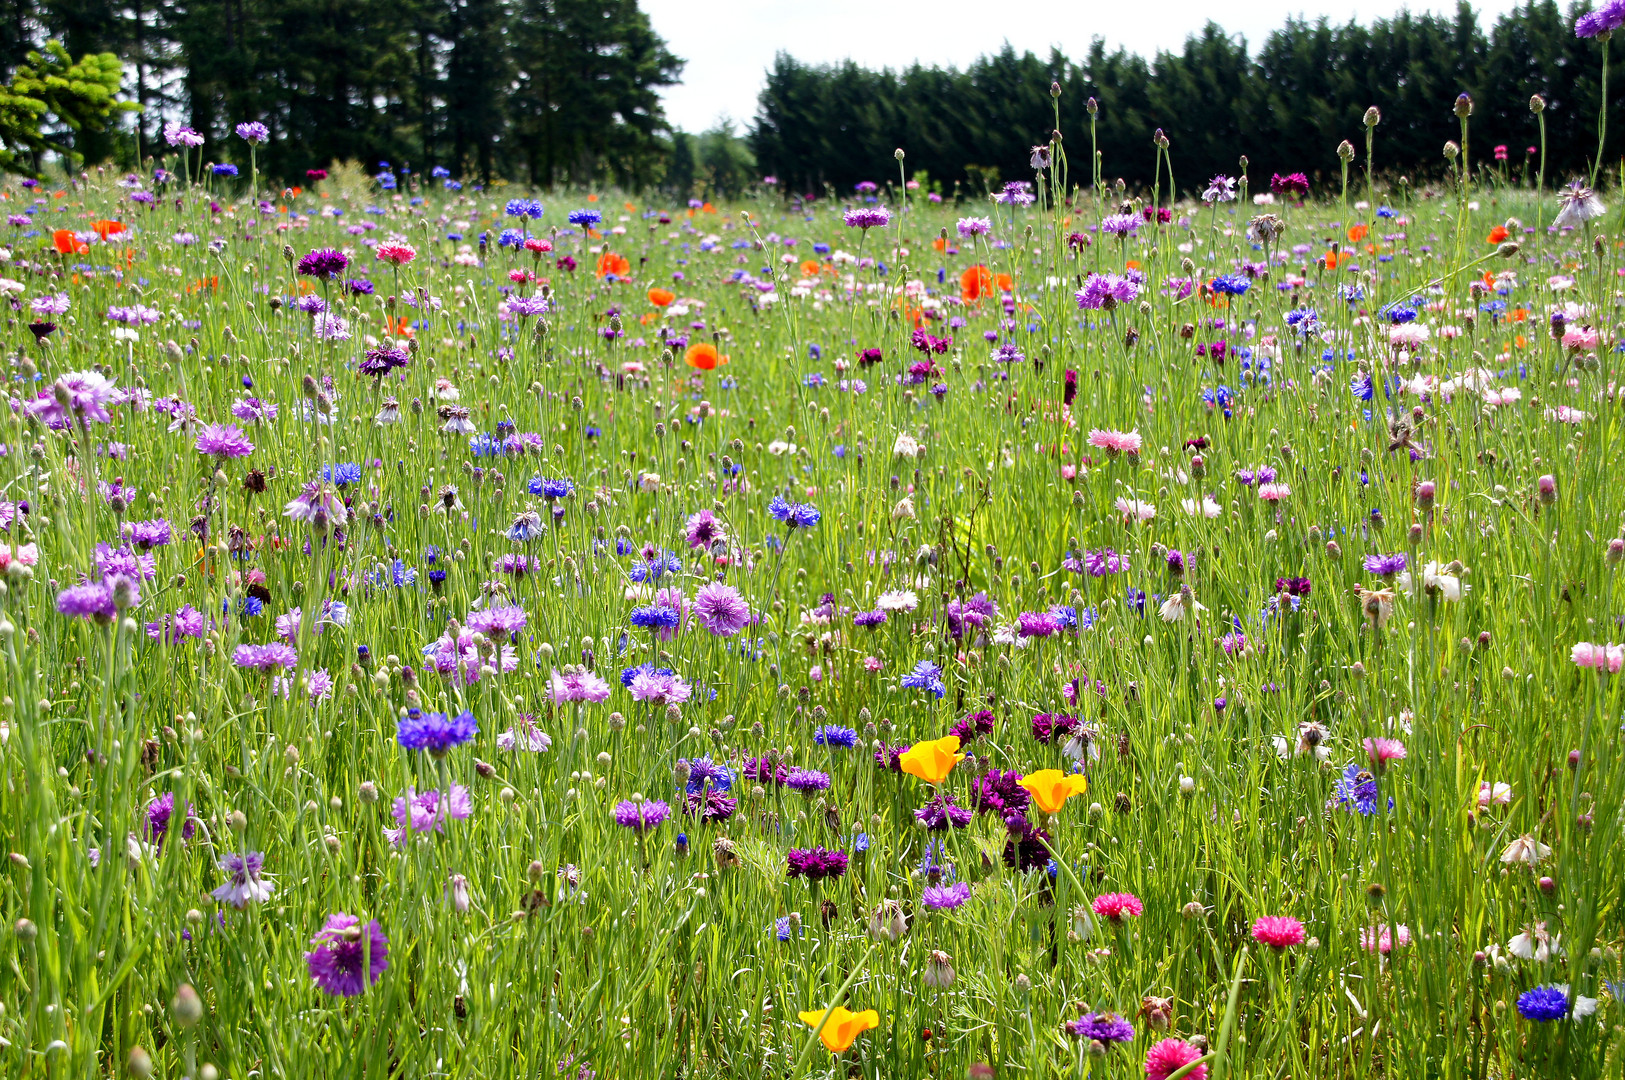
(1081, 630)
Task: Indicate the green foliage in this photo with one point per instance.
(50, 84)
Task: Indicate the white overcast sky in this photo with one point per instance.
(729, 44)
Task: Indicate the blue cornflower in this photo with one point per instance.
(1361, 386)
(1543, 1004)
(401, 574)
(435, 732)
(347, 472)
(1066, 615)
(439, 172)
(1303, 320)
(835, 735)
(1356, 790)
(656, 617)
(1230, 284)
(1398, 314)
(925, 676)
(585, 218)
(511, 238)
(704, 773)
(794, 515)
(224, 170)
(552, 489)
(786, 928)
(628, 674)
(657, 566)
(524, 208)
(1386, 212)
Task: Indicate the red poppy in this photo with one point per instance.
(703, 356)
(611, 263)
(69, 244)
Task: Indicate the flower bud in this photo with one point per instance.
(1373, 117)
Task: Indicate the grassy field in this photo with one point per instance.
(448, 634)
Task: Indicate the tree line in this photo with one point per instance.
(540, 91)
(1285, 107)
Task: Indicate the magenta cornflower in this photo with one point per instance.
(868, 217)
(1278, 931)
(223, 441)
(641, 816)
(1587, 654)
(1171, 1055)
(1117, 906)
(1115, 442)
(720, 609)
(1381, 751)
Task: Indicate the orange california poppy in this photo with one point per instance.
(809, 268)
(703, 356)
(932, 760)
(978, 281)
(1051, 788)
(1497, 234)
(843, 1028)
(104, 229)
(661, 297)
(629, 207)
(1357, 233)
(67, 243)
(611, 263)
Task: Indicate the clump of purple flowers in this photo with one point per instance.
(641, 816)
(815, 863)
(941, 813)
(435, 732)
(347, 957)
(867, 217)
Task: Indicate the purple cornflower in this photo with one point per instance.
(347, 957)
(868, 217)
(92, 600)
(147, 534)
(709, 805)
(1386, 565)
(319, 506)
(1000, 793)
(381, 361)
(720, 609)
(945, 897)
(1036, 624)
(244, 884)
(435, 732)
(253, 132)
(1048, 727)
(1120, 225)
(324, 263)
(925, 676)
(265, 657)
(641, 816)
(224, 441)
(764, 770)
(1107, 1027)
(1103, 562)
(870, 619)
(499, 621)
(942, 812)
(159, 813)
(815, 863)
(659, 687)
(975, 613)
(974, 226)
(427, 811)
(972, 726)
(702, 529)
(807, 781)
(886, 757)
(1106, 291)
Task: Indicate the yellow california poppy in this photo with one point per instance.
(844, 1026)
(932, 760)
(1051, 788)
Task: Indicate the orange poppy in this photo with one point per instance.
(1497, 234)
(104, 229)
(629, 207)
(611, 263)
(809, 268)
(212, 283)
(1051, 788)
(401, 327)
(649, 317)
(940, 244)
(703, 356)
(708, 209)
(932, 760)
(661, 297)
(68, 244)
(592, 198)
(1357, 233)
(1520, 314)
(842, 1028)
(1523, 342)
(978, 281)
(1133, 264)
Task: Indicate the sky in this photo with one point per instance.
(729, 44)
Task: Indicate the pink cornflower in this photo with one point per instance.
(1580, 339)
(1586, 654)
(397, 254)
(1115, 906)
(1115, 442)
(1171, 1055)
(1408, 337)
(1278, 931)
(1381, 939)
(1136, 509)
(1382, 751)
(1273, 492)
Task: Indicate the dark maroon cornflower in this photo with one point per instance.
(710, 805)
(1047, 727)
(1294, 184)
(380, 362)
(1293, 586)
(869, 356)
(1024, 849)
(1160, 213)
(977, 723)
(1077, 241)
(927, 343)
(1069, 387)
(918, 372)
(765, 770)
(41, 330)
(941, 812)
(324, 263)
(815, 863)
(1000, 793)
(1198, 443)
(886, 757)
